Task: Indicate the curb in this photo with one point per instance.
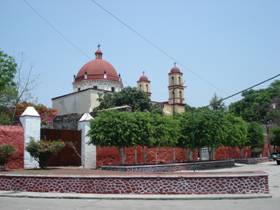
(16, 194)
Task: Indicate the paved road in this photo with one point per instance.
(67, 204)
(252, 204)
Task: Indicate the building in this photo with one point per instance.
(98, 76)
(94, 78)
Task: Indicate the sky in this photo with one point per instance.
(221, 46)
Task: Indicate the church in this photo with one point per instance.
(98, 76)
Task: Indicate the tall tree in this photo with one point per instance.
(216, 103)
(255, 138)
(132, 97)
(257, 105)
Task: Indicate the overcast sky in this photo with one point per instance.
(230, 44)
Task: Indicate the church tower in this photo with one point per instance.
(176, 90)
(144, 84)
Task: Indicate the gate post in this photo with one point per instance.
(31, 123)
(88, 151)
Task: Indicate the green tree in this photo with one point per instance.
(203, 128)
(113, 128)
(255, 106)
(275, 137)
(236, 132)
(8, 92)
(165, 132)
(255, 138)
(132, 97)
(216, 103)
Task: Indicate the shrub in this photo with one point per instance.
(6, 151)
(42, 150)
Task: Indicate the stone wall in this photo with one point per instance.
(152, 184)
(201, 165)
(13, 135)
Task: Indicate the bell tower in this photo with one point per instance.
(176, 90)
(144, 84)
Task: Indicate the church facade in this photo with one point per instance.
(98, 76)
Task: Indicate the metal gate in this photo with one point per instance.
(70, 155)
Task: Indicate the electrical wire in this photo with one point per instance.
(155, 46)
(56, 30)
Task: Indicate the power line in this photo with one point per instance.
(246, 89)
(151, 43)
(56, 30)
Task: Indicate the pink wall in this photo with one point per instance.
(13, 135)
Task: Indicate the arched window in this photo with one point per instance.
(179, 80)
(172, 78)
(147, 87)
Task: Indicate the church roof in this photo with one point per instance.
(97, 69)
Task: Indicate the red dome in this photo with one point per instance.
(143, 78)
(96, 70)
(175, 69)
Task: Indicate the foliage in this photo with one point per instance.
(4, 118)
(42, 150)
(236, 131)
(256, 104)
(113, 128)
(47, 114)
(255, 137)
(275, 138)
(8, 69)
(6, 151)
(216, 103)
(132, 97)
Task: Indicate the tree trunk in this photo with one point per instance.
(122, 155)
(174, 154)
(190, 154)
(241, 152)
(157, 155)
(144, 154)
(135, 155)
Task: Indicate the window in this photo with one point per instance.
(147, 87)
(113, 89)
(95, 87)
(79, 89)
(172, 78)
(179, 80)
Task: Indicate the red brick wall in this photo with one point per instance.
(110, 155)
(13, 135)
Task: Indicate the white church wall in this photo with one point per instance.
(77, 102)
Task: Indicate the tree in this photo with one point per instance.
(216, 103)
(255, 138)
(15, 84)
(8, 68)
(203, 128)
(165, 132)
(236, 132)
(113, 128)
(275, 138)
(132, 97)
(42, 150)
(255, 106)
